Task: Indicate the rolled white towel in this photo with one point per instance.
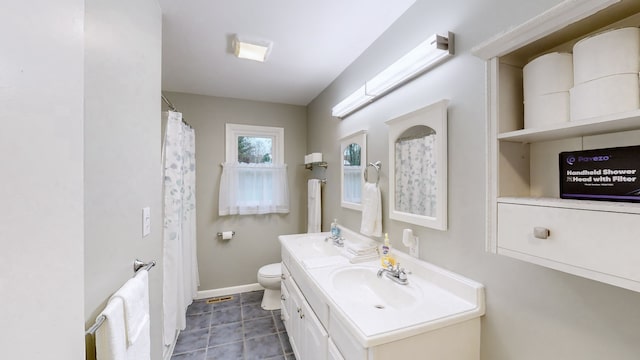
(368, 251)
(361, 247)
(354, 259)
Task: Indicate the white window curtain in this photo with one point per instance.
(249, 189)
(352, 184)
(415, 185)
(180, 264)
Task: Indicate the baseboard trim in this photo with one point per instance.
(204, 294)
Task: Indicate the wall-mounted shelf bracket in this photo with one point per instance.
(310, 166)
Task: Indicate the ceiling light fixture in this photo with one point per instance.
(433, 51)
(257, 50)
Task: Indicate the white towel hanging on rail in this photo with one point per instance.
(111, 338)
(314, 202)
(371, 210)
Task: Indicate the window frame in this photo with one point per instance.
(234, 131)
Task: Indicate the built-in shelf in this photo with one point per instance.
(608, 206)
(593, 126)
(526, 218)
(310, 166)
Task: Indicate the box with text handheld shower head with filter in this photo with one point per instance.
(610, 174)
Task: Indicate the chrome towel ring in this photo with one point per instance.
(376, 165)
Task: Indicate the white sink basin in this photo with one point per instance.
(378, 306)
(313, 246)
(360, 284)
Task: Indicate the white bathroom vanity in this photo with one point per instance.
(333, 309)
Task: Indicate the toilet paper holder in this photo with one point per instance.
(233, 233)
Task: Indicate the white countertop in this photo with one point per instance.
(377, 310)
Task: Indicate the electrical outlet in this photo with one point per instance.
(146, 221)
(415, 250)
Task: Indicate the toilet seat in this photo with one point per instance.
(270, 271)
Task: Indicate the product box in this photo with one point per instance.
(611, 174)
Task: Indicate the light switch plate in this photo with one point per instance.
(146, 221)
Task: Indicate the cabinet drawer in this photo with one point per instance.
(600, 245)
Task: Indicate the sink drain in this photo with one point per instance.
(379, 306)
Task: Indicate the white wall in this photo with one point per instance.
(122, 151)
(236, 262)
(41, 173)
(532, 312)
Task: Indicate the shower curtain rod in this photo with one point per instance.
(172, 108)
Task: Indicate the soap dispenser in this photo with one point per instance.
(335, 230)
(387, 260)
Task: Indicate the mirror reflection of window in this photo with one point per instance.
(416, 171)
(351, 163)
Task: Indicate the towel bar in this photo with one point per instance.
(376, 165)
(137, 267)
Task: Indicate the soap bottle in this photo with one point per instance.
(387, 260)
(335, 230)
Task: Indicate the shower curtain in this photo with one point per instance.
(180, 266)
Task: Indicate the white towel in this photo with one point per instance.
(135, 297)
(371, 210)
(354, 259)
(362, 252)
(314, 206)
(141, 349)
(111, 343)
(360, 248)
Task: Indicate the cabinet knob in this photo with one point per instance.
(282, 297)
(301, 315)
(283, 277)
(541, 232)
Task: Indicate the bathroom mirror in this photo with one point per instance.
(353, 153)
(418, 161)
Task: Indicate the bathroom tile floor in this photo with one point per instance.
(237, 329)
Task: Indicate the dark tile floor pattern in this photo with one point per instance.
(238, 329)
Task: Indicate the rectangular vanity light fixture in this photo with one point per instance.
(352, 103)
(433, 51)
(425, 56)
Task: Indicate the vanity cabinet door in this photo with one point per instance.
(297, 333)
(315, 336)
(332, 351)
(285, 307)
(307, 336)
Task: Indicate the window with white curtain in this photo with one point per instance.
(254, 176)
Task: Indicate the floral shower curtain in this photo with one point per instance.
(416, 172)
(180, 265)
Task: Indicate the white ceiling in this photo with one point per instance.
(314, 41)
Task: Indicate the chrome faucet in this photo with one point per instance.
(337, 240)
(398, 274)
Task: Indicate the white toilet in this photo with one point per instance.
(269, 277)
